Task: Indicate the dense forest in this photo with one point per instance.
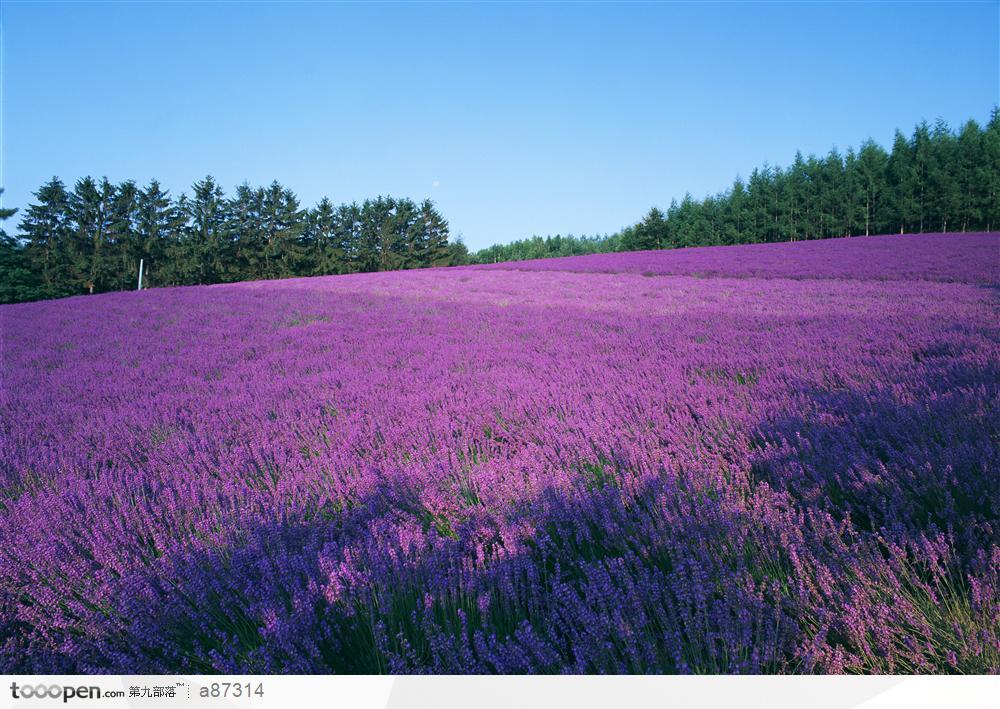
(90, 239)
(935, 180)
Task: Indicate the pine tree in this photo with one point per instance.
(204, 252)
(871, 170)
(902, 177)
(735, 206)
(158, 227)
(92, 267)
(856, 210)
(18, 282)
(325, 250)
(830, 183)
(654, 229)
(47, 226)
(761, 197)
(944, 192)
(922, 159)
(988, 174)
(124, 241)
(458, 253)
(793, 199)
(283, 223)
(348, 225)
(650, 233)
(375, 234)
(968, 150)
(406, 233)
(435, 235)
(244, 232)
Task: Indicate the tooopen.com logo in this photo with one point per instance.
(57, 691)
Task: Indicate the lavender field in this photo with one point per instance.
(763, 459)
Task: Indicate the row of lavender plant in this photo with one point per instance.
(959, 257)
(488, 470)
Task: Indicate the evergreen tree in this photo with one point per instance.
(324, 242)
(901, 172)
(406, 235)
(92, 263)
(435, 236)
(375, 233)
(283, 223)
(18, 282)
(735, 206)
(158, 226)
(761, 201)
(458, 253)
(650, 233)
(831, 199)
(653, 229)
(944, 188)
(348, 225)
(871, 170)
(204, 252)
(988, 174)
(922, 160)
(125, 246)
(969, 148)
(856, 210)
(47, 226)
(244, 233)
(794, 198)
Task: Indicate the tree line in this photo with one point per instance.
(935, 180)
(90, 239)
(548, 247)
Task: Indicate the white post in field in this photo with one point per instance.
(140, 275)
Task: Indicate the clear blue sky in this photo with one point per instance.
(515, 119)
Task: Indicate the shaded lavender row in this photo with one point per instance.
(972, 257)
(505, 471)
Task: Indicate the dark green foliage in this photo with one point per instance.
(376, 234)
(123, 235)
(283, 226)
(159, 223)
(246, 232)
(987, 174)
(92, 239)
(550, 246)
(434, 245)
(324, 240)
(205, 250)
(458, 253)
(92, 247)
(650, 233)
(18, 281)
(47, 230)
